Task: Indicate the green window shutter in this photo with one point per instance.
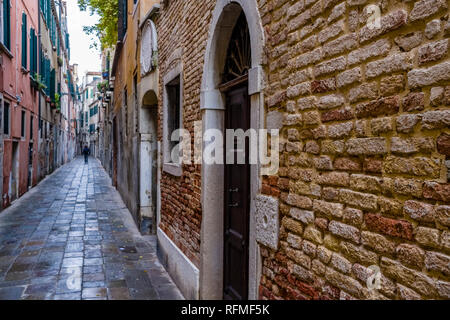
(52, 84)
(47, 12)
(24, 41)
(59, 46)
(48, 77)
(7, 24)
(41, 63)
(33, 52)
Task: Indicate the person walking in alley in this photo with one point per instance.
(86, 152)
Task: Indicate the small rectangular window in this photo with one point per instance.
(6, 118)
(123, 18)
(173, 110)
(31, 127)
(22, 132)
(5, 34)
(24, 41)
(33, 52)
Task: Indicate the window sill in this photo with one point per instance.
(6, 50)
(25, 71)
(173, 169)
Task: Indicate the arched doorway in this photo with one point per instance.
(231, 98)
(148, 161)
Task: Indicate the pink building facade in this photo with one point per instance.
(19, 57)
(37, 94)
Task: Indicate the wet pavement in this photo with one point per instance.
(72, 238)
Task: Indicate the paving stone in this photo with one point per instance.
(11, 293)
(68, 296)
(93, 262)
(118, 293)
(169, 292)
(40, 289)
(94, 293)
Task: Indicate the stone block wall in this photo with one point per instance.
(365, 164)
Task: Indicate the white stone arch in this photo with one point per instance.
(212, 105)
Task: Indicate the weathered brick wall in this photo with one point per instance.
(185, 25)
(366, 148)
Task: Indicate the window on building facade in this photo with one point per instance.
(173, 90)
(22, 131)
(6, 118)
(33, 52)
(93, 111)
(45, 71)
(2, 24)
(123, 18)
(31, 127)
(24, 41)
(5, 28)
(52, 84)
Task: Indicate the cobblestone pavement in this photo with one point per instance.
(72, 238)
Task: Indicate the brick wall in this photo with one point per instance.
(185, 25)
(366, 149)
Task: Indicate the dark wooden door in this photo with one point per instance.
(237, 202)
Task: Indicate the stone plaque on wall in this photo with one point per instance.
(149, 48)
(267, 221)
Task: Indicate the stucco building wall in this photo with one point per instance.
(126, 114)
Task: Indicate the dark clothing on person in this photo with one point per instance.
(86, 152)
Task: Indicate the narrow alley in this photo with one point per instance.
(72, 238)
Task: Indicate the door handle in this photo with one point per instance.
(234, 205)
(233, 190)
